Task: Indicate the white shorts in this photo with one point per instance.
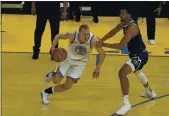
(73, 69)
(131, 65)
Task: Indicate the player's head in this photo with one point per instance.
(84, 32)
(125, 14)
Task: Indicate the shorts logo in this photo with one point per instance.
(135, 62)
(81, 50)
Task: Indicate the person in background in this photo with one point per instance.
(62, 10)
(75, 10)
(46, 11)
(148, 12)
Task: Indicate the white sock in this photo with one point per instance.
(148, 89)
(125, 99)
(141, 76)
(53, 90)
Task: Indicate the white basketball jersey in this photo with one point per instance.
(80, 51)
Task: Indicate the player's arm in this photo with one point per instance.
(131, 31)
(101, 56)
(67, 35)
(112, 32)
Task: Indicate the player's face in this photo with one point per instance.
(84, 34)
(123, 15)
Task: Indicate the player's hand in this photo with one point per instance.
(63, 15)
(96, 73)
(52, 49)
(33, 11)
(99, 44)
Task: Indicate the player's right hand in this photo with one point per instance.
(96, 73)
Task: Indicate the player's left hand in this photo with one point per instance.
(99, 44)
(96, 73)
(52, 49)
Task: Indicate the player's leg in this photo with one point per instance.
(57, 74)
(74, 74)
(138, 64)
(124, 82)
(56, 77)
(143, 79)
(57, 88)
(72, 77)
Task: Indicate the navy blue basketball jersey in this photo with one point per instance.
(136, 44)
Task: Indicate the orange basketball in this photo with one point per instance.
(59, 54)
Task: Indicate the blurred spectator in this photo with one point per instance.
(62, 10)
(75, 10)
(150, 17)
(46, 11)
(151, 23)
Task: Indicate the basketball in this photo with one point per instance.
(59, 54)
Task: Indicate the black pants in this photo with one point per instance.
(75, 7)
(148, 12)
(41, 20)
(151, 24)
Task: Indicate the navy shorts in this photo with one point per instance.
(137, 61)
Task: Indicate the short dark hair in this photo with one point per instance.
(84, 26)
(130, 11)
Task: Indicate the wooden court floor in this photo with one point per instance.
(22, 81)
(22, 77)
(19, 29)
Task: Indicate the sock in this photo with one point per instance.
(53, 90)
(148, 89)
(50, 90)
(125, 99)
(141, 76)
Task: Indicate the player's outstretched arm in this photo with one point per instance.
(102, 58)
(112, 32)
(67, 35)
(131, 31)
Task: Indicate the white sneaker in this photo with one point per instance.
(148, 94)
(152, 42)
(48, 77)
(44, 97)
(124, 109)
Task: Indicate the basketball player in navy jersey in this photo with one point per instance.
(137, 53)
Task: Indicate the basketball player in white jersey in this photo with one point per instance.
(79, 49)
